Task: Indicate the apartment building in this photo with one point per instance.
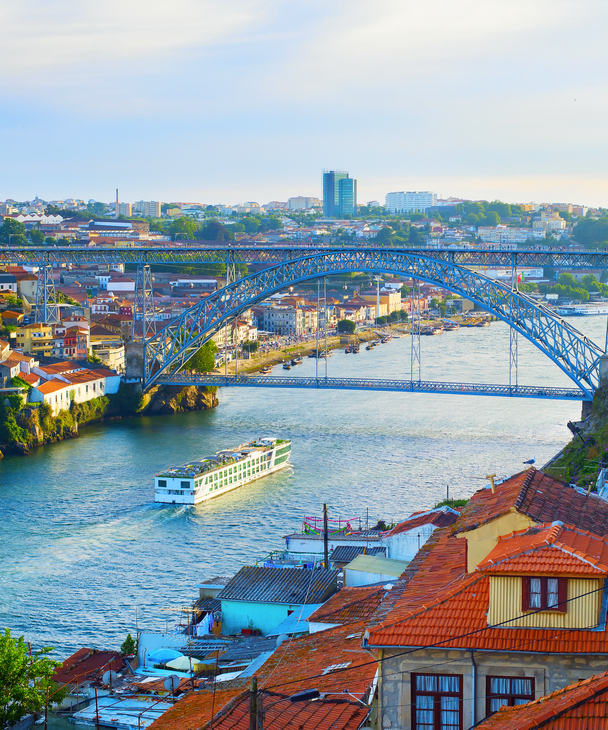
(410, 202)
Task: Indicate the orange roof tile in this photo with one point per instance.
(348, 605)
(551, 548)
(455, 615)
(581, 706)
(59, 368)
(86, 664)
(52, 386)
(296, 665)
(541, 498)
(441, 517)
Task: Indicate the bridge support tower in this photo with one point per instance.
(46, 310)
(144, 321)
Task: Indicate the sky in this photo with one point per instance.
(227, 101)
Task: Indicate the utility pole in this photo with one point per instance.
(325, 539)
(253, 704)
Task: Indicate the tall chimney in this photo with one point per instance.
(117, 211)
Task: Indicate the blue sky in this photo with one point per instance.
(235, 100)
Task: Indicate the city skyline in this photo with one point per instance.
(217, 103)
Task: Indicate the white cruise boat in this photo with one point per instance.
(213, 475)
(581, 310)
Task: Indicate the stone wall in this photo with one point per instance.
(550, 672)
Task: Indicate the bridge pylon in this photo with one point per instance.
(46, 310)
(144, 320)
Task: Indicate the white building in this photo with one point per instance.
(147, 208)
(79, 385)
(410, 202)
(504, 234)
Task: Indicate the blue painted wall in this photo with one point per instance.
(237, 615)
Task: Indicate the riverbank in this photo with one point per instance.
(24, 427)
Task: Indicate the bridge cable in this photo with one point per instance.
(415, 330)
(513, 334)
(317, 350)
(325, 321)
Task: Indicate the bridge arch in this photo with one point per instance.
(574, 353)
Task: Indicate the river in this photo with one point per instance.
(85, 552)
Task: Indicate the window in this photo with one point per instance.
(184, 485)
(545, 594)
(437, 701)
(162, 483)
(508, 691)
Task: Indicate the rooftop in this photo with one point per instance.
(378, 564)
(541, 498)
(280, 585)
(349, 605)
(86, 664)
(580, 706)
(440, 517)
(552, 548)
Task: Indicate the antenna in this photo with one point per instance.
(171, 683)
(109, 678)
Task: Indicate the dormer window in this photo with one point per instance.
(544, 594)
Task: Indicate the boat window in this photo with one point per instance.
(162, 482)
(184, 485)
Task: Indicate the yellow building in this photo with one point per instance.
(35, 339)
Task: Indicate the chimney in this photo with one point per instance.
(117, 211)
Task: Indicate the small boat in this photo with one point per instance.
(312, 354)
(266, 369)
(369, 347)
(451, 326)
(386, 338)
(347, 350)
(287, 365)
(355, 349)
(483, 323)
(296, 360)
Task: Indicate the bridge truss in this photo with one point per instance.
(376, 384)
(576, 355)
(212, 253)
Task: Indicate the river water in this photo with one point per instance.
(85, 552)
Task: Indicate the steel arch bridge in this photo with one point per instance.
(576, 355)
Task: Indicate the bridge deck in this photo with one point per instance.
(374, 384)
(210, 252)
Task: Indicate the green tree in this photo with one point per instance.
(128, 646)
(215, 231)
(380, 320)
(251, 346)
(568, 280)
(25, 681)
(203, 360)
(37, 236)
(12, 231)
(252, 224)
(182, 228)
(346, 326)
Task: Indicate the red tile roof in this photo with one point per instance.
(348, 605)
(298, 664)
(541, 498)
(440, 517)
(87, 664)
(52, 386)
(581, 706)
(442, 605)
(551, 548)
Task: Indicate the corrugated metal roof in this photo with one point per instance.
(280, 585)
(346, 553)
(377, 564)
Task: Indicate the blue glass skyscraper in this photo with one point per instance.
(339, 194)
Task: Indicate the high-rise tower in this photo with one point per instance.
(339, 194)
